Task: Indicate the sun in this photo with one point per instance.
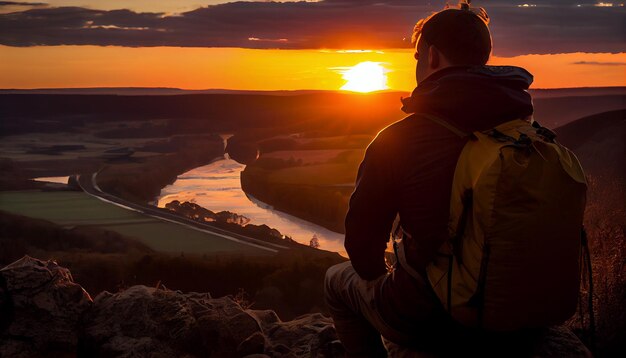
(365, 77)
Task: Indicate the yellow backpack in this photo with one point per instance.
(516, 214)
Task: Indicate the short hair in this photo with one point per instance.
(462, 35)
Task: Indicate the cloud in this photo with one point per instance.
(597, 63)
(14, 6)
(15, 3)
(550, 27)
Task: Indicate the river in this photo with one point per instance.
(217, 187)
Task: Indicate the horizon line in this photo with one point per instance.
(255, 90)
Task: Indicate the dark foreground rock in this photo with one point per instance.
(40, 308)
(44, 313)
(553, 342)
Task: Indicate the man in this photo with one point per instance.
(408, 171)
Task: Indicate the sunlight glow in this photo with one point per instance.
(365, 77)
(238, 69)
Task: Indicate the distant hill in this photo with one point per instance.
(599, 141)
(161, 91)
(577, 92)
(201, 113)
(554, 112)
(151, 91)
(298, 111)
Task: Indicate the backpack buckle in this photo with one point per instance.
(523, 141)
(546, 134)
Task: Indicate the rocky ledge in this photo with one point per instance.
(43, 312)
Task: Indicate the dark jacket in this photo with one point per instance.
(408, 168)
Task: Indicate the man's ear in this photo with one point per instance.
(434, 57)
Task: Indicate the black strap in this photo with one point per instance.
(450, 266)
(545, 133)
(457, 240)
(479, 297)
(588, 270)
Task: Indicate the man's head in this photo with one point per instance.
(451, 37)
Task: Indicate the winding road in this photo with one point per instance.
(88, 183)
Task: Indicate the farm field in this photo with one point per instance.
(79, 209)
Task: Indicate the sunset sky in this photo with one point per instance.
(262, 45)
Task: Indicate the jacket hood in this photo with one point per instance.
(473, 97)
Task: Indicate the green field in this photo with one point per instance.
(79, 209)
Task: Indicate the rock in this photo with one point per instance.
(41, 308)
(44, 313)
(281, 349)
(561, 342)
(141, 319)
(255, 344)
(266, 318)
(551, 342)
(137, 321)
(310, 335)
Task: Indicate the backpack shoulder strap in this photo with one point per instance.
(494, 132)
(445, 124)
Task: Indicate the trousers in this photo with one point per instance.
(352, 304)
(363, 311)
